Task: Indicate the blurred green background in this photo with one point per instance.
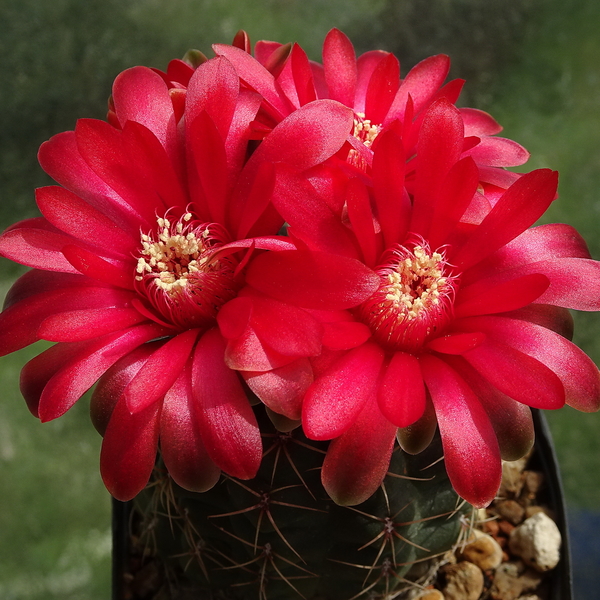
(534, 64)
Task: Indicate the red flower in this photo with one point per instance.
(136, 255)
(371, 86)
(468, 327)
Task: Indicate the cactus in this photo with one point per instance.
(409, 295)
(279, 536)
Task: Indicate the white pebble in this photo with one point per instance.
(537, 541)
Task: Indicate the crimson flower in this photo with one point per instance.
(371, 86)
(468, 326)
(158, 214)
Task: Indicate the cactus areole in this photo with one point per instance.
(294, 287)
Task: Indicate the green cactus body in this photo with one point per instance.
(279, 536)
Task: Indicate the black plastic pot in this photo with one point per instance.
(543, 459)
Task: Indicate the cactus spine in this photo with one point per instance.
(279, 536)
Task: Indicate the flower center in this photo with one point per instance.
(414, 299)
(178, 274)
(365, 131)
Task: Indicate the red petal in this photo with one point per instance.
(160, 371)
(287, 329)
(309, 216)
(263, 49)
(555, 251)
(439, 148)
(478, 210)
(574, 283)
(459, 188)
(75, 217)
(277, 61)
(365, 64)
(542, 243)
(109, 389)
(334, 400)
(181, 444)
(256, 206)
(343, 335)
(39, 370)
(392, 201)
(508, 295)
(234, 317)
(303, 78)
(272, 242)
(129, 450)
(35, 243)
(520, 206)
(312, 279)
(163, 173)
(362, 220)
(78, 325)
(318, 74)
(451, 90)
(20, 321)
(92, 265)
(339, 64)
(382, 89)
(471, 450)
(309, 136)
(39, 294)
(104, 150)
(497, 177)
(61, 382)
(401, 394)
(498, 152)
(279, 64)
(458, 343)
(421, 83)
(357, 461)
(240, 130)
(536, 245)
(207, 151)
(248, 353)
(35, 282)
(282, 389)
(479, 123)
(517, 375)
(512, 421)
(180, 71)
(255, 76)
(554, 318)
(416, 437)
(213, 89)
(227, 423)
(141, 95)
(60, 158)
(577, 372)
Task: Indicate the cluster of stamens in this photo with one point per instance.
(179, 274)
(415, 284)
(413, 301)
(175, 257)
(366, 132)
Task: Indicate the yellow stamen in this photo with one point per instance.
(414, 299)
(176, 256)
